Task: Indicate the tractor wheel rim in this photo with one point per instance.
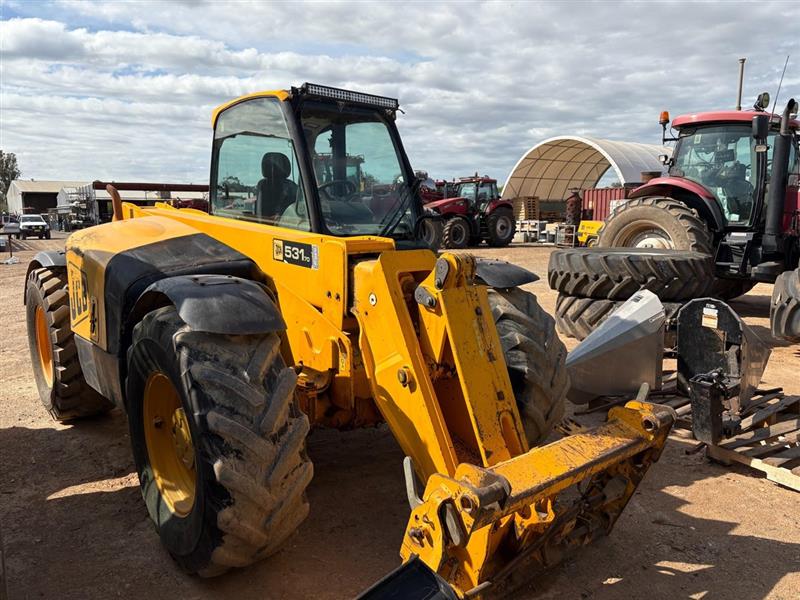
(645, 235)
(503, 227)
(459, 234)
(43, 345)
(169, 444)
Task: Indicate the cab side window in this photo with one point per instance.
(257, 177)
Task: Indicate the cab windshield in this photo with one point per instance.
(358, 171)
(722, 158)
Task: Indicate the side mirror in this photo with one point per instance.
(663, 159)
(762, 102)
(761, 127)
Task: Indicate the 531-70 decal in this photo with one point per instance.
(295, 253)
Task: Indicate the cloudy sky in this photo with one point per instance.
(124, 90)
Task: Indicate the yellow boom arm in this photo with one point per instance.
(436, 367)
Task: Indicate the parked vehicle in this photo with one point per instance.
(225, 337)
(475, 214)
(731, 192)
(33, 225)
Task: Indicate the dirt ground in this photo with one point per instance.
(73, 523)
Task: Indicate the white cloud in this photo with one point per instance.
(124, 90)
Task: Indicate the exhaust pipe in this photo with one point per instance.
(773, 228)
(741, 83)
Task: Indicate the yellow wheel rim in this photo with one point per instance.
(43, 345)
(169, 444)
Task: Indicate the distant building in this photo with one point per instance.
(35, 196)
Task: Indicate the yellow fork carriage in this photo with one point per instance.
(308, 298)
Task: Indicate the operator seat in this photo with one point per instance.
(275, 192)
(738, 190)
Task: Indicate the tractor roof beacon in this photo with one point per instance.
(307, 298)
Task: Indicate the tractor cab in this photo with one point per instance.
(723, 158)
(478, 191)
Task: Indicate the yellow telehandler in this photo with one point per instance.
(307, 298)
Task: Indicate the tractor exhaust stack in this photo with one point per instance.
(741, 83)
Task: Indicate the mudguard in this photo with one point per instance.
(502, 274)
(215, 304)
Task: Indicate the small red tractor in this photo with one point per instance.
(476, 213)
(731, 192)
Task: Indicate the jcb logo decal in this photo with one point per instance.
(78, 295)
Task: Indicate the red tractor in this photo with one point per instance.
(476, 213)
(731, 192)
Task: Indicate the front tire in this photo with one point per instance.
(661, 223)
(665, 223)
(56, 368)
(456, 233)
(432, 231)
(535, 358)
(225, 483)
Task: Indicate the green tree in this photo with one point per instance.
(9, 171)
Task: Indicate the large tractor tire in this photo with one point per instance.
(785, 307)
(56, 367)
(432, 230)
(655, 223)
(665, 223)
(456, 233)
(618, 273)
(501, 227)
(535, 358)
(578, 317)
(218, 441)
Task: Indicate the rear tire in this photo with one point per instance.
(618, 273)
(56, 368)
(535, 358)
(456, 233)
(784, 311)
(247, 442)
(578, 317)
(501, 227)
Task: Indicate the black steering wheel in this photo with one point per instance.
(340, 189)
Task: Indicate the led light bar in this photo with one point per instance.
(324, 91)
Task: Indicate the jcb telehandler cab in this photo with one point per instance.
(299, 303)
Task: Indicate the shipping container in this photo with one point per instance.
(598, 203)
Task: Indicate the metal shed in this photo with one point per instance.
(552, 167)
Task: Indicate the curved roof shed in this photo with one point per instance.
(552, 167)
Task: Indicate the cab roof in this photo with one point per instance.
(317, 91)
(279, 94)
(726, 116)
